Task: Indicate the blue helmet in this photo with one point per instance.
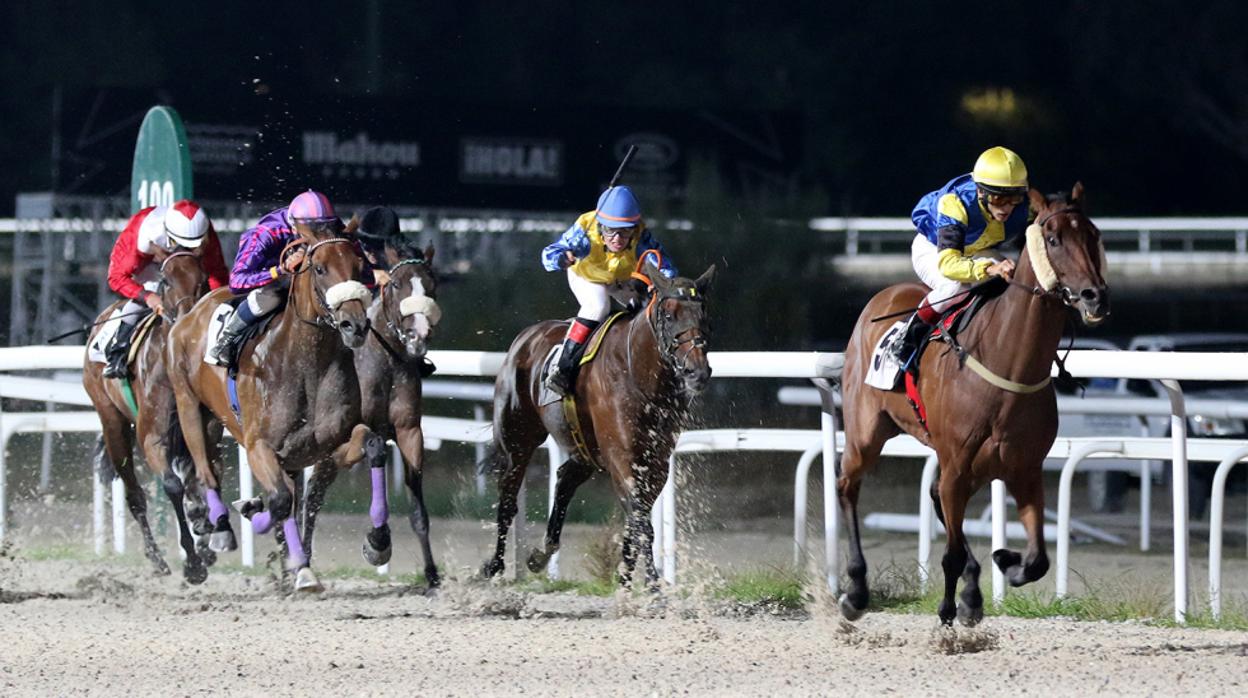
(618, 208)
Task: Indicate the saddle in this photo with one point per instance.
(952, 323)
(232, 350)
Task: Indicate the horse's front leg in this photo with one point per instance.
(323, 475)
(411, 442)
(279, 510)
(371, 448)
(1028, 493)
(639, 531)
(958, 561)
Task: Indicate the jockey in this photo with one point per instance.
(379, 225)
(601, 247)
(259, 270)
(133, 273)
(960, 226)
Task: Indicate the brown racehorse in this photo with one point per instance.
(980, 431)
(182, 282)
(632, 402)
(297, 388)
(402, 318)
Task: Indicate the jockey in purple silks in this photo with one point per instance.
(260, 273)
(601, 247)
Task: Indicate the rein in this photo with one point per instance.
(670, 352)
(321, 318)
(164, 282)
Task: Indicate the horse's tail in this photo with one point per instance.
(493, 461)
(104, 469)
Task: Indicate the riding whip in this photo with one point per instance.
(87, 328)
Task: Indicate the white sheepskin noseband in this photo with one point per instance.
(1040, 258)
(422, 305)
(345, 291)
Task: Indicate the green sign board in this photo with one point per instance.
(161, 173)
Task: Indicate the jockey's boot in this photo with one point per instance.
(904, 346)
(235, 326)
(562, 380)
(117, 350)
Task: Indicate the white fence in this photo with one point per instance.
(1169, 368)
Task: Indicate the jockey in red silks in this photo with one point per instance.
(601, 247)
(959, 227)
(259, 270)
(133, 273)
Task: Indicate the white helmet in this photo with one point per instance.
(186, 223)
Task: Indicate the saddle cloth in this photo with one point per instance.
(98, 345)
(546, 396)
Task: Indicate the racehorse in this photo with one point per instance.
(402, 317)
(296, 389)
(151, 417)
(631, 402)
(994, 421)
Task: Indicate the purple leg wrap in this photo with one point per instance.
(261, 522)
(294, 544)
(379, 510)
(216, 509)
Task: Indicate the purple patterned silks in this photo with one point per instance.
(379, 510)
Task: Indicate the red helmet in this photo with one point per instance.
(186, 223)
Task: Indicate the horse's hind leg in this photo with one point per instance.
(512, 460)
(1028, 493)
(411, 443)
(858, 459)
(117, 441)
(571, 475)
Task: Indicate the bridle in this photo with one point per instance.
(392, 324)
(164, 282)
(673, 350)
(324, 315)
(1060, 290)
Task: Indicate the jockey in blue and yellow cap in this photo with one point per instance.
(600, 248)
(959, 227)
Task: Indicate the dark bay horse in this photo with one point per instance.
(632, 402)
(389, 364)
(980, 431)
(182, 282)
(297, 389)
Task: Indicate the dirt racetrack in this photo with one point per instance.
(74, 625)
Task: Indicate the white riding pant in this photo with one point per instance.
(132, 306)
(926, 261)
(595, 303)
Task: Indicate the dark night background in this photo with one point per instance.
(871, 105)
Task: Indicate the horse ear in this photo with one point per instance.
(1038, 202)
(657, 279)
(352, 225)
(429, 253)
(704, 282)
(1076, 195)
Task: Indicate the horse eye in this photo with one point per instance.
(1052, 241)
(320, 270)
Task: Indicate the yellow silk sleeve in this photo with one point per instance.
(950, 205)
(958, 267)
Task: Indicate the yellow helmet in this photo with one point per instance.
(1000, 171)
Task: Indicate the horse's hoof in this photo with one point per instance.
(247, 507)
(537, 560)
(848, 610)
(491, 568)
(374, 448)
(194, 574)
(222, 541)
(206, 555)
(432, 578)
(1005, 559)
(970, 617)
(376, 558)
(161, 569)
(305, 580)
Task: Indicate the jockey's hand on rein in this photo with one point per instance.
(292, 261)
(153, 301)
(1003, 269)
(567, 260)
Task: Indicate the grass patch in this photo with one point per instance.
(784, 588)
(60, 552)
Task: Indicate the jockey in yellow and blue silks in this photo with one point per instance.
(960, 226)
(601, 247)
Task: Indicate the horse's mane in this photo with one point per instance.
(405, 248)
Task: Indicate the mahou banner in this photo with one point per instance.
(264, 149)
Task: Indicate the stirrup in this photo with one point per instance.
(557, 382)
(117, 368)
